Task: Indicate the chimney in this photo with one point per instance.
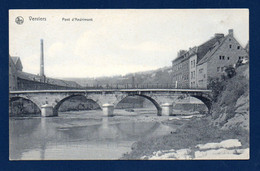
(219, 35)
(181, 52)
(230, 32)
(42, 60)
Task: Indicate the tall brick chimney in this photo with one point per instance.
(42, 60)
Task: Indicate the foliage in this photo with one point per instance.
(224, 108)
(230, 71)
(216, 85)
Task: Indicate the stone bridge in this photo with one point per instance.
(49, 101)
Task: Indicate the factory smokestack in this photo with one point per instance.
(42, 60)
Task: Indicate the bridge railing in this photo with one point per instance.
(106, 86)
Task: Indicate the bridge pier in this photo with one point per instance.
(166, 109)
(47, 110)
(108, 109)
(159, 111)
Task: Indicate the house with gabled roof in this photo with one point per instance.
(207, 60)
(17, 62)
(225, 52)
(184, 66)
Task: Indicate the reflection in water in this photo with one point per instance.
(90, 136)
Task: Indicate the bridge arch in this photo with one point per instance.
(12, 99)
(155, 103)
(59, 103)
(205, 99)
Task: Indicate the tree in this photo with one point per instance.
(216, 85)
(230, 71)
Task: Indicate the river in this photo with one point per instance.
(82, 135)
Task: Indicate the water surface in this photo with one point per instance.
(81, 135)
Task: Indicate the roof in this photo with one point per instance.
(202, 49)
(11, 61)
(17, 61)
(53, 81)
(212, 50)
(205, 47)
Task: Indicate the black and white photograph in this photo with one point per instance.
(129, 84)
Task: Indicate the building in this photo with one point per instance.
(12, 75)
(177, 72)
(206, 61)
(19, 80)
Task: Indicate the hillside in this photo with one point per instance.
(159, 76)
(229, 122)
(231, 109)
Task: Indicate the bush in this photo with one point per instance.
(228, 92)
(216, 85)
(230, 71)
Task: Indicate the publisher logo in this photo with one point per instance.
(19, 20)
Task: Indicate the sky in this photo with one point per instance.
(115, 42)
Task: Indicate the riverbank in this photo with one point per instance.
(187, 139)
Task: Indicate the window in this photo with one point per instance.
(230, 46)
(201, 70)
(229, 39)
(238, 47)
(218, 69)
(227, 58)
(222, 69)
(221, 57)
(192, 74)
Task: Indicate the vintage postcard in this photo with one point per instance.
(129, 84)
